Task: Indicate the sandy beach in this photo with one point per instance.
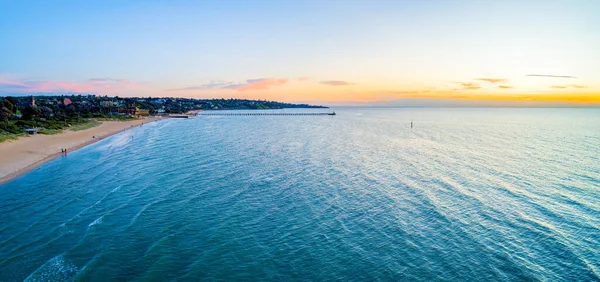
(27, 153)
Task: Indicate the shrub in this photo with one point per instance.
(9, 127)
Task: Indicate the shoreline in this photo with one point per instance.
(40, 149)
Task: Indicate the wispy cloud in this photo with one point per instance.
(568, 86)
(335, 83)
(260, 84)
(108, 80)
(216, 84)
(303, 78)
(94, 85)
(551, 75)
(492, 80)
(469, 85)
(187, 88)
(248, 85)
(8, 81)
(505, 87)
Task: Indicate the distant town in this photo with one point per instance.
(51, 114)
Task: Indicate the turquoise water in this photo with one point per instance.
(467, 194)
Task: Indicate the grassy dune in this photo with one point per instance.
(5, 136)
(85, 125)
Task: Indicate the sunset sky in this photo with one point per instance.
(328, 52)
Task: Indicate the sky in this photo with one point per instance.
(337, 52)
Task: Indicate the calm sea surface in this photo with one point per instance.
(467, 194)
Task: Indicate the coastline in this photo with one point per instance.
(27, 153)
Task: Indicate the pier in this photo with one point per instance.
(266, 114)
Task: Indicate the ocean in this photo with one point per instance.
(465, 195)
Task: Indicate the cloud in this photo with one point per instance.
(187, 88)
(94, 85)
(469, 85)
(303, 78)
(260, 84)
(109, 85)
(7, 80)
(216, 84)
(492, 80)
(505, 87)
(105, 80)
(248, 85)
(335, 83)
(551, 75)
(568, 86)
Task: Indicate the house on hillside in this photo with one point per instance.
(31, 102)
(140, 112)
(134, 111)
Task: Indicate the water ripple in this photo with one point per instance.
(468, 194)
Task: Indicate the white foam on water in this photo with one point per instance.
(90, 207)
(56, 269)
(97, 221)
(99, 201)
(63, 229)
(116, 141)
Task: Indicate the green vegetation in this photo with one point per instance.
(49, 131)
(115, 118)
(85, 125)
(5, 136)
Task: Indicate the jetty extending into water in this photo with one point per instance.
(264, 114)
